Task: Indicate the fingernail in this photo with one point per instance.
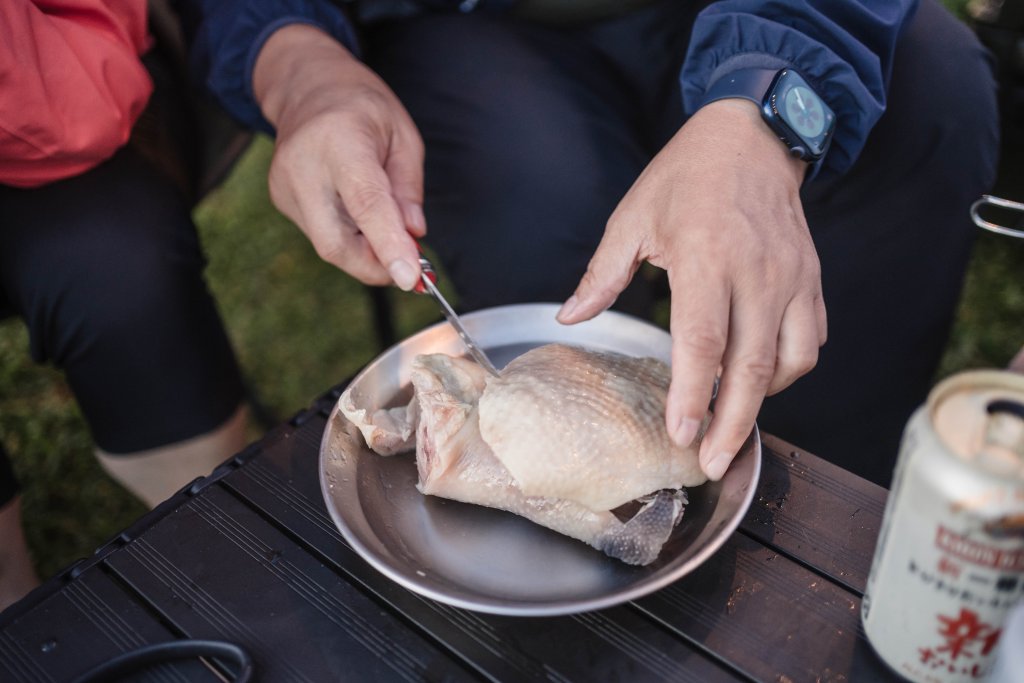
(403, 274)
(717, 466)
(567, 308)
(686, 431)
(416, 217)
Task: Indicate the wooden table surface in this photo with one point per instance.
(250, 555)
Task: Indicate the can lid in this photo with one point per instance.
(979, 416)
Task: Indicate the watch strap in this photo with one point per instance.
(751, 84)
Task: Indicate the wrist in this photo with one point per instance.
(745, 132)
(295, 61)
(797, 114)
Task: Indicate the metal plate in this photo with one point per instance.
(493, 561)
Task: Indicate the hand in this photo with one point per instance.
(1017, 364)
(719, 209)
(348, 163)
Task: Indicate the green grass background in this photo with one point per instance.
(299, 326)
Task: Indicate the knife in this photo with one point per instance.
(427, 278)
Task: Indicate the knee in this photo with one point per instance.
(105, 294)
(144, 292)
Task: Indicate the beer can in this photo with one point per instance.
(949, 565)
(1009, 664)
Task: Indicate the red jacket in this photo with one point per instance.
(71, 84)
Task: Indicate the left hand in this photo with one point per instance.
(1017, 364)
(719, 209)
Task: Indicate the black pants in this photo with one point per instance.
(533, 135)
(106, 271)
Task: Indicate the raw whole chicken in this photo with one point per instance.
(563, 437)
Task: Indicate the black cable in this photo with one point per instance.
(160, 653)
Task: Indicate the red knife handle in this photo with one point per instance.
(428, 271)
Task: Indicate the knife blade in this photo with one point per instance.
(426, 273)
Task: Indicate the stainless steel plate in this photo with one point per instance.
(493, 561)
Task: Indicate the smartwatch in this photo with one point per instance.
(790, 107)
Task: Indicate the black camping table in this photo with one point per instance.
(250, 555)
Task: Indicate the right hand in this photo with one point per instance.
(348, 162)
(719, 209)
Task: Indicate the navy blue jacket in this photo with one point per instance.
(843, 47)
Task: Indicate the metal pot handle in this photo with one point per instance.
(995, 227)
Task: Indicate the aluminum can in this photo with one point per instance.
(1009, 664)
(949, 565)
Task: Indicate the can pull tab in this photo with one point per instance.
(1003, 443)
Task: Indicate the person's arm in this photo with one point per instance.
(719, 209)
(348, 160)
(73, 85)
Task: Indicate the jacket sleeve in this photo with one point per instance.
(226, 37)
(844, 48)
(73, 85)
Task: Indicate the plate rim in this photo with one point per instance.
(505, 606)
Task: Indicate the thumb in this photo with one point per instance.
(609, 272)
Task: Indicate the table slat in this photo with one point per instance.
(769, 617)
(91, 620)
(817, 513)
(215, 569)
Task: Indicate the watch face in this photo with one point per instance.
(807, 117)
(804, 113)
